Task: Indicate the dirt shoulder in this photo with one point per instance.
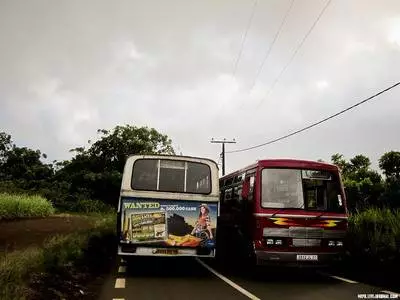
(20, 234)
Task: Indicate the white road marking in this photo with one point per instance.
(343, 279)
(118, 298)
(391, 293)
(120, 283)
(121, 269)
(337, 277)
(228, 281)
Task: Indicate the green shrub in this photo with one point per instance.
(19, 206)
(91, 206)
(374, 233)
(16, 268)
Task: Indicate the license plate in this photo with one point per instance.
(307, 257)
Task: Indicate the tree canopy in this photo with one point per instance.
(366, 187)
(94, 171)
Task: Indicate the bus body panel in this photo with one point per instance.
(275, 235)
(157, 223)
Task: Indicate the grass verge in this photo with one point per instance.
(13, 206)
(375, 234)
(62, 267)
(373, 244)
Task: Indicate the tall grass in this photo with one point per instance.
(90, 206)
(375, 233)
(14, 206)
(17, 267)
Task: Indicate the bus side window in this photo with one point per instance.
(239, 192)
(228, 195)
(251, 188)
(221, 195)
(237, 197)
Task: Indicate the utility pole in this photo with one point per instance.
(223, 142)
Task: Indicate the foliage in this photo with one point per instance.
(390, 164)
(92, 173)
(19, 267)
(374, 234)
(363, 185)
(90, 206)
(20, 206)
(24, 163)
(96, 172)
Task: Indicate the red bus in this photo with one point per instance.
(283, 211)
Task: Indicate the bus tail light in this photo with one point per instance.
(339, 243)
(331, 243)
(270, 241)
(278, 242)
(257, 244)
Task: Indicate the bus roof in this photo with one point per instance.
(286, 162)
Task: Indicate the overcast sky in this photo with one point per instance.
(68, 68)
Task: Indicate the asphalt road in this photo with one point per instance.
(189, 278)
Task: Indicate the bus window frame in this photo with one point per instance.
(335, 176)
(158, 170)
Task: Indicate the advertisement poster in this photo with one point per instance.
(169, 222)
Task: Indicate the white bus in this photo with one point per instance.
(168, 206)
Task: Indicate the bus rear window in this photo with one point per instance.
(171, 176)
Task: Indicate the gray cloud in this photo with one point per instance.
(72, 67)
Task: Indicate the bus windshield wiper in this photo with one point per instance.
(320, 215)
(283, 208)
(277, 211)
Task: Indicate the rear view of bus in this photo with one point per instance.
(301, 213)
(168, 206)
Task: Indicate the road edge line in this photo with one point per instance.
(337, 277)
(228, 281)
(344, 279)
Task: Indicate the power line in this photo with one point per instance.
(245, 37)
(283, 22)
(319, 122)
(296, 51)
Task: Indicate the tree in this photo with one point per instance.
(96, 172)
(5, 145)
(338, 160)
(21, 168)
(363, 185)
(24, 164)
(390, 164)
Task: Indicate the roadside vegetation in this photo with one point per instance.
(13, 206)
(86, 186)
(373, 240)
(62, 268)
(374, 236)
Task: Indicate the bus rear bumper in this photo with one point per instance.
(162, 252)
(297, 259)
